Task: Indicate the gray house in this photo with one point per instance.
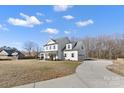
(9, 53)
(63, 49)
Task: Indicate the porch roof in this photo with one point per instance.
(51, 52)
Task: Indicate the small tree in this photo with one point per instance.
(31, 48)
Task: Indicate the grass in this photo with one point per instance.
(14, 73)
(117, 67)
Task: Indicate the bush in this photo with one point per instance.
(29, 57)
(5, 59)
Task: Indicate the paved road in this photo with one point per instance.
(90, 74)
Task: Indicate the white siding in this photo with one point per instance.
(50, 42)
(51, 47)
(3, 53)
(15, 53)
(69, 55)
(67, 46)
(5, 57)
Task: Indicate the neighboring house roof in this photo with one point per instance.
(10, 51)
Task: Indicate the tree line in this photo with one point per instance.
(104, 47)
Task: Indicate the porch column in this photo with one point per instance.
(44, 56)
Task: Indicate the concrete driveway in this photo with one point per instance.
(94, 75)
(90, 74)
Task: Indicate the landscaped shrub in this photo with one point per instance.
(5, 59)
(29, 57)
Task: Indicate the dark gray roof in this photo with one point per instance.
(10, 51)
(76, 46)
(58, 40)
(73, 44)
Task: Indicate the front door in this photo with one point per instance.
(51, 57)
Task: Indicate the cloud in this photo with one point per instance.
(28, 21)
(51, 30)
(39, 14)
(48, 20)
(67, 32)
(61, 8)
(3, 28)
(84, 23)
(68, 17)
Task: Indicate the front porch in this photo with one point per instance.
(51, 55)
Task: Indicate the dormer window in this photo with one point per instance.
(68, 46)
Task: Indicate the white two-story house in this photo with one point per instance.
(54, 49)
(63, 49)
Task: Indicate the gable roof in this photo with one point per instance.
(79, 45)
(76, 46)
(59, 40)
(9, 50)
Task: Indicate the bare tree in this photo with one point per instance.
(31, 48)
(108, 47)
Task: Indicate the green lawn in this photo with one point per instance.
(19, 72)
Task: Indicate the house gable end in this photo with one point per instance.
(51, 42)
(3, 52)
